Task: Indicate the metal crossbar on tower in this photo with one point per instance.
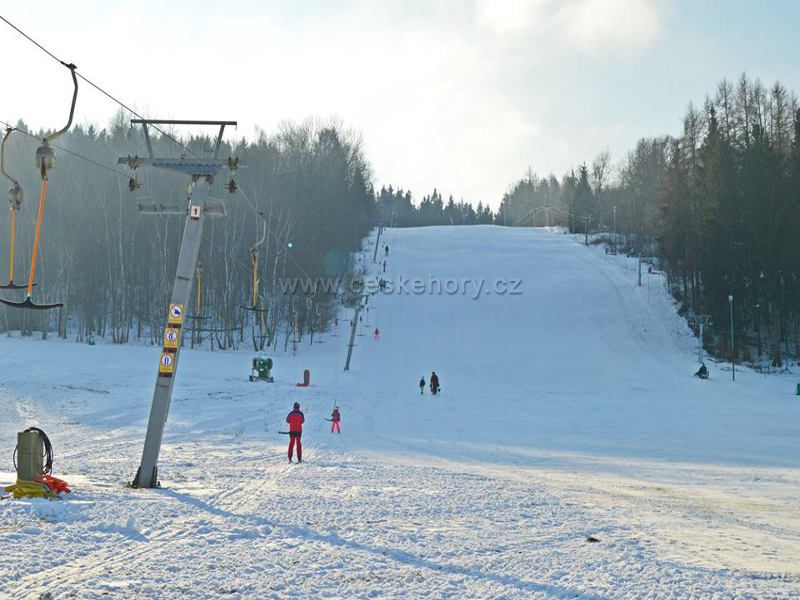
(202, 172)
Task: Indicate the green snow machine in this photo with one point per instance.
(261, 369)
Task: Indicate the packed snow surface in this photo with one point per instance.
(568, 410)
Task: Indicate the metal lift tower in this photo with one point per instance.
(202, 172)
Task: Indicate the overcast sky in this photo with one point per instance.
(462, 95)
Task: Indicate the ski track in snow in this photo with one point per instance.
(566, 412)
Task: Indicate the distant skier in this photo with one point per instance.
(422, 385)
(434, 383)
(384, 266)
(386, 248)
(377, 334)
(702, 372)
(295, 419)
(336, 417)
(382, 284)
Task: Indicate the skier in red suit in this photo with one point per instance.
(295, 419)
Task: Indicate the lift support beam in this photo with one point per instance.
(147, 475)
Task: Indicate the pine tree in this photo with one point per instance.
(584, 199)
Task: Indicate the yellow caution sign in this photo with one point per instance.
(175, 316)
(171, 338)
(167, 364)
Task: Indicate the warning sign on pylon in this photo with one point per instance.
(167, 364)
(171, 338)
(175, 314)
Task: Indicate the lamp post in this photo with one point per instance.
(586, 220)
(614, 209)
(733, 354)
(758, 331)
(640, 266)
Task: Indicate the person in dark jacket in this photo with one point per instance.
(421, 385)
(295, 419)
(336, 417)
(434, 383)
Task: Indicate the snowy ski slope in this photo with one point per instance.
(568, 410)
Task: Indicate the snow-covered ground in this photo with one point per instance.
(567, 411)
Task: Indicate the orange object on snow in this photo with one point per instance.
(53, 483)
(306, 379)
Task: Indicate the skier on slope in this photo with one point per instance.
(421, 385)
(377, 334)
(434, 383)
(295, 419)
(336, 417)
(386, 248)
(702, 372)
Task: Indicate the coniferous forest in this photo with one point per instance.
(715, 208)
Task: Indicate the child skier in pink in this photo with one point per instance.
(335, 418)
(377, 334)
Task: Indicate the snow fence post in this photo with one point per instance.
(377, 243)
(353, 326)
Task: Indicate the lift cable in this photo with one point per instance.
(73, 153)
(93, 84)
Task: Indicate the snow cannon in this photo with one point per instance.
(261, 369)
(306, 379)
